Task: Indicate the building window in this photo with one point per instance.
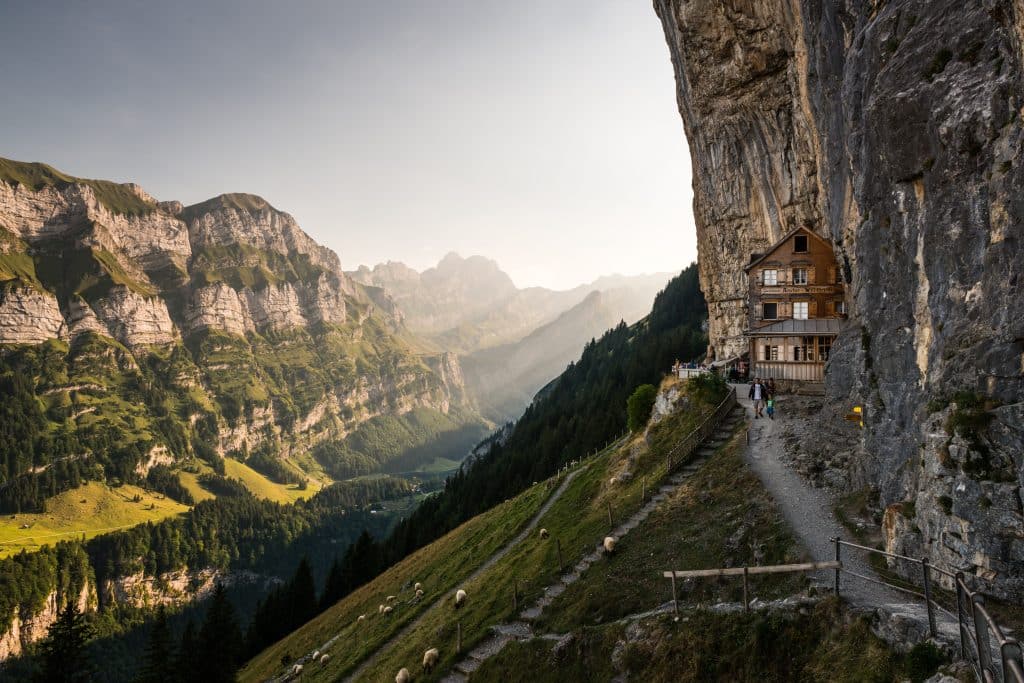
(770, 277)
(840, 307)
(824, 347)
(769, 311)
(799, 276)
(773, 353)
(800, 310)
(800, 243)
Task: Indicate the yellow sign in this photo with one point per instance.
(856, 416)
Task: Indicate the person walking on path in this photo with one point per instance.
(757, 394)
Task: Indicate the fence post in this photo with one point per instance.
(981, 633)
(746, 597)
(960, 612)
(837, 568)
(458, 641)
(643, 492)
(558, 547)
(515, 596)
(675, 601)
(928, 597)
(610, 525)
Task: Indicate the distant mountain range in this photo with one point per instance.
(510, 341)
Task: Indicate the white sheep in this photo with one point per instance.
(296, 669)
(380, 608)
(613, 481)
(387, 610)
(362, 617)
(403, 676)
(609, 545)
(460, 598)
(324, 659)
(390, 598)
(544, 533)
(419, 593)
(316, 656)
(418, 586)
(430, 658)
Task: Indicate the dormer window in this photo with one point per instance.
(800, 244)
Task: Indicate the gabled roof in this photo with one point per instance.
(772, 249)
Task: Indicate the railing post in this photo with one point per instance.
(836, 539)
(746, 598)
(981, 633)
(960, 613)
(515, 596)
(928, 597)
(610, 525)
(558, 547)
(675, 601)
(458, 641)
(1011, 653)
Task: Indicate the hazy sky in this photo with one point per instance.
(541, 133)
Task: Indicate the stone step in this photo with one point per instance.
(455, 677)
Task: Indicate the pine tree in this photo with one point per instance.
(64, 659)
(301, 595)
(185, 663)
(337, 585)
(220, 641)
(157, 658)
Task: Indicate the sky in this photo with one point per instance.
(542, 133)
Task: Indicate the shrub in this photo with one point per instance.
(639, 406)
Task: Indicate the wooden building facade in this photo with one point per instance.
(796, 304)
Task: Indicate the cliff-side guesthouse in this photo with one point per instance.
(796, 302)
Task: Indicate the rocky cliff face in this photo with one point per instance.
(894, 129)
(25, 629)
(225, 312)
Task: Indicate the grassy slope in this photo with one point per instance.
(816, 646)
(116, 197)
(578, 520)
(440, 567)
(104, 508)
(715, 520)
(262, 487)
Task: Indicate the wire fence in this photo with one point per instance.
(995, 657)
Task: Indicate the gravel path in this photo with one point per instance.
(809, 513)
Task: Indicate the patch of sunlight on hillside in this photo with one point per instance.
(89, 510)
(262, 487)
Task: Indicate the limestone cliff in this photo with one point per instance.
(220, 326)
(892, 128)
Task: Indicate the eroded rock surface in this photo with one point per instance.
(894, 129)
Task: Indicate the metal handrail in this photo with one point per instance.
(976, 625)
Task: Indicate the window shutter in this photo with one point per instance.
(810, 275)
(812, 308)
(783, 275)
(785, 309)
(830, 307)
(757, 312)
(831, 275)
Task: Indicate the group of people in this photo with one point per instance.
(763, 396)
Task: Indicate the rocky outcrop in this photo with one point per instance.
(174, 588)
(893, 129)
(26, 629)
(28, 316)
